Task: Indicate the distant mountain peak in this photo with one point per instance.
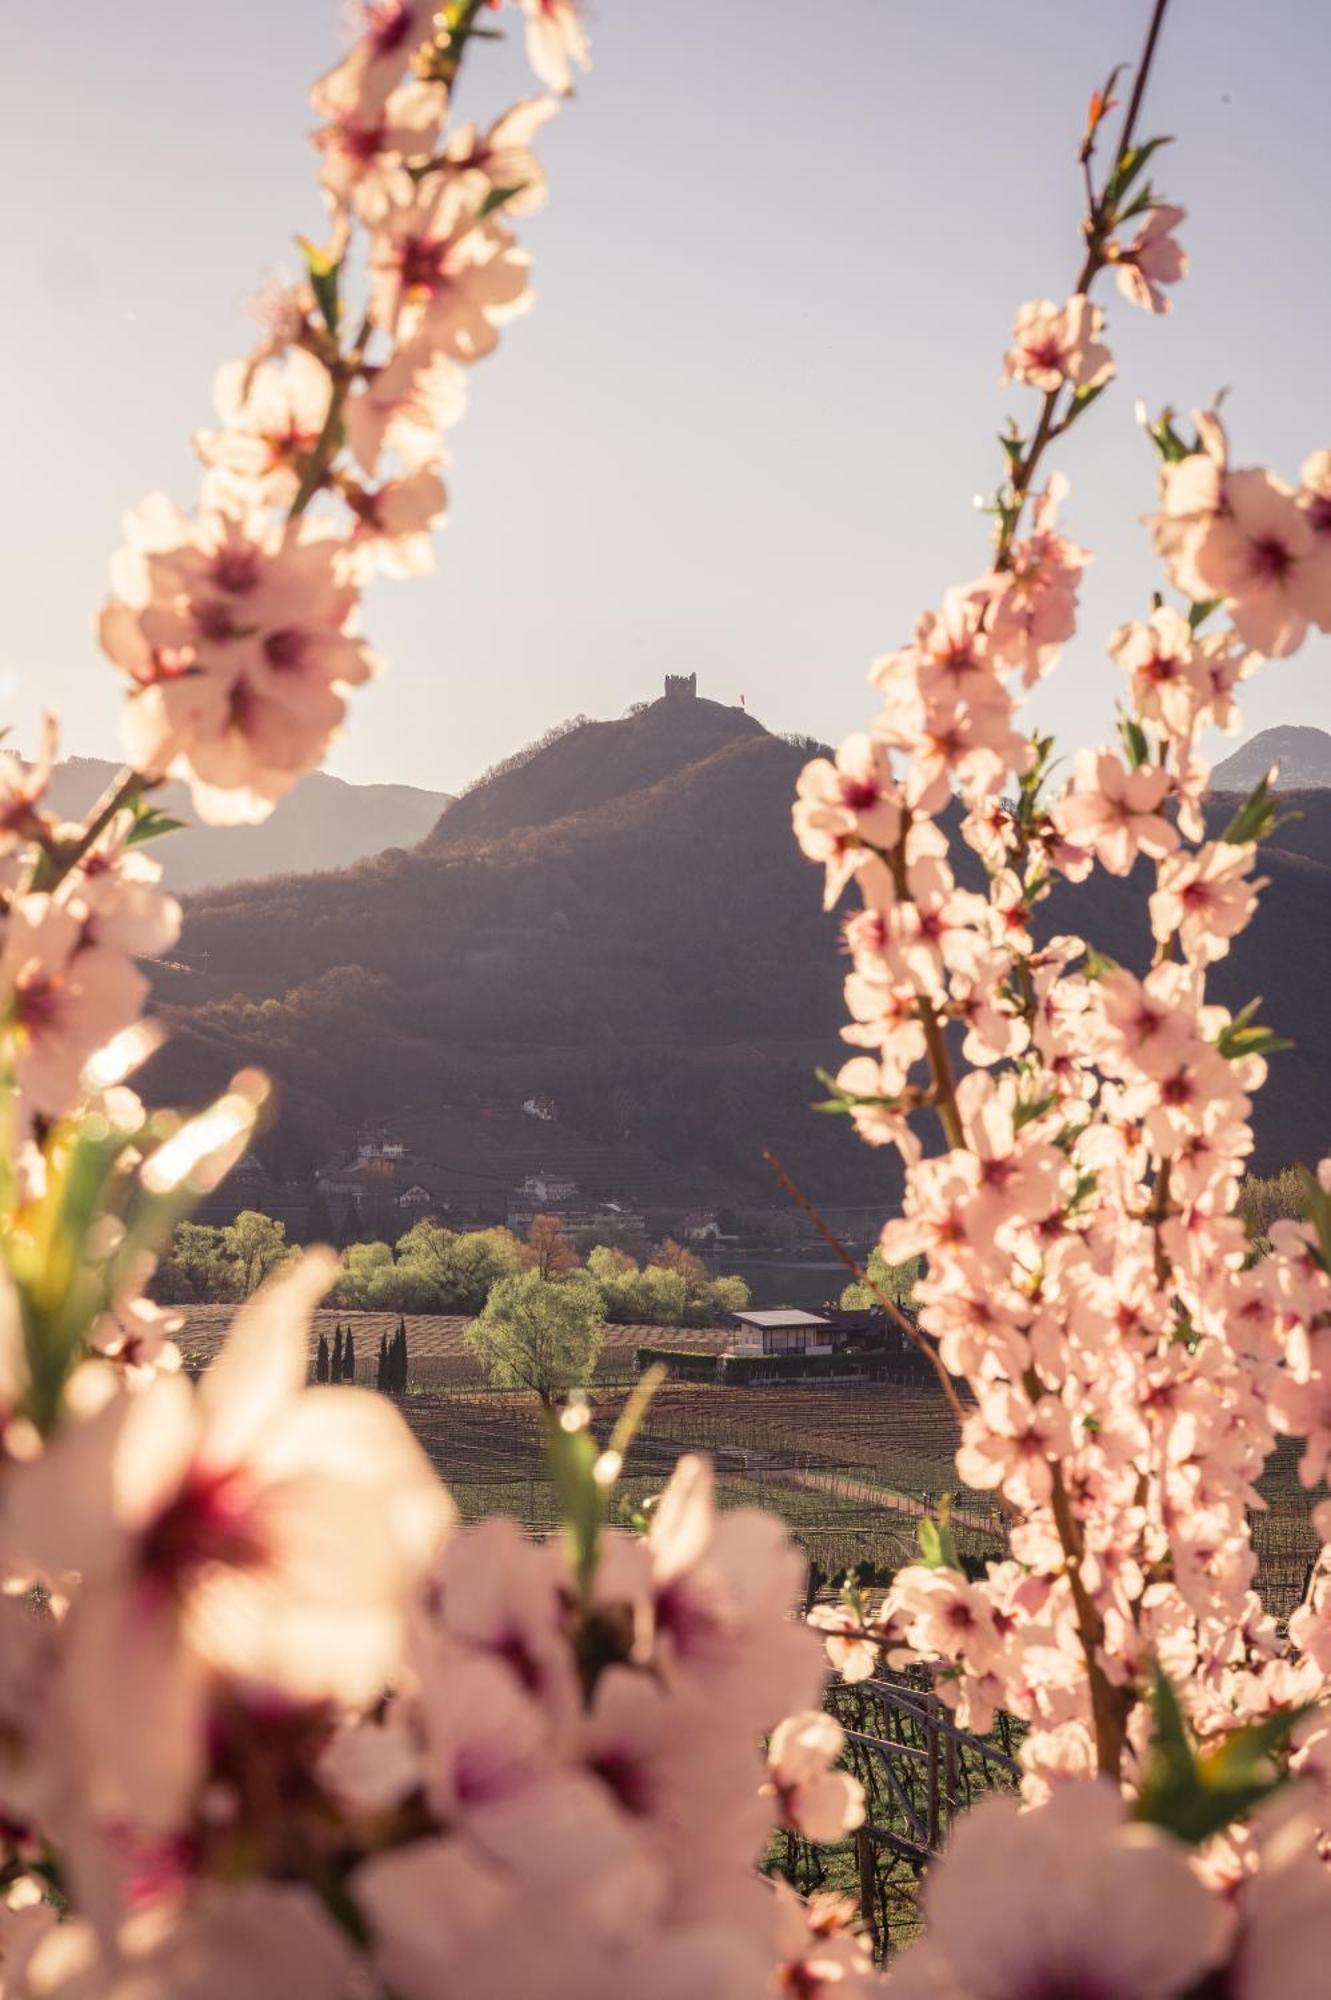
(583, 764)
(1302, 752)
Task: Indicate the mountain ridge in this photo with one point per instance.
(1302, 753)
(584, 763)
(325, 823)
(654, 958)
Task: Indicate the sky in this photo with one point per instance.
(741, 431)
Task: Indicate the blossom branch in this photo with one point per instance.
(1098, 226)
(900, 1319)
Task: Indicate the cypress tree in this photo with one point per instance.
(381, 1373)
(321, 1359)
(335, 1371)
(349, 1357)
(402, 1358)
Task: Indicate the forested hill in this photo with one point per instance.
(585, 763)
(621, 922)
(656, 960)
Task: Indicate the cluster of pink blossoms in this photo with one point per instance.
(237, 626)
(1125, 1362)
(291, 1716)
(270, 1721)
(274, 1721)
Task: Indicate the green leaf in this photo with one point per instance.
(573, 1453)
(1098, 963)
(840, 1103)
(938, 1548)
(150, 824)
(1083, 398)
(1130, 165)
(325, 278)
(497, 198)
(1034, 1108)
(1199, 613)
(1167, 441)
(1256, 816)
(1142, 202)
(1134, 741)
(1194, 1791)
(1245, 1037)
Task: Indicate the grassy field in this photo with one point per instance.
(851, 1466)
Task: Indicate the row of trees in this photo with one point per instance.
(432, 1269)
(338, 1363)
(543, 1330)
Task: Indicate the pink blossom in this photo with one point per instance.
(1013, 1443)
(271, 420)
(1054, 344)
(1245, 537)
(821, 1803)
(236, 637)
(946, 1618)
(504, 154)
(1067, 1899)
(62, 999)
(136, 1334)
(395, 522)
(115, 891)
(23, 786)
(1148, 1022)
(1152, 259)
(405, 405)
(854, 1644)
(1114, 812)
(1315, 577)
(556, 41)
(437, 271)
(256, 1530)
(1253, 555)
(846, 808)
(1284, 1921)
(1206, 898)
(264, 1939)
(362, 82)
(1169, 684)
(1035, 598)
(823, 1953)
(364, 146)
(718, 1580)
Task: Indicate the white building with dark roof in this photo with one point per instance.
(784, 1330)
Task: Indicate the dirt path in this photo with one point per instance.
(888, 1497)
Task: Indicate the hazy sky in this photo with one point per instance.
(741, 431)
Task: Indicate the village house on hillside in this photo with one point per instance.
(383, 1181)
(547, 1187)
